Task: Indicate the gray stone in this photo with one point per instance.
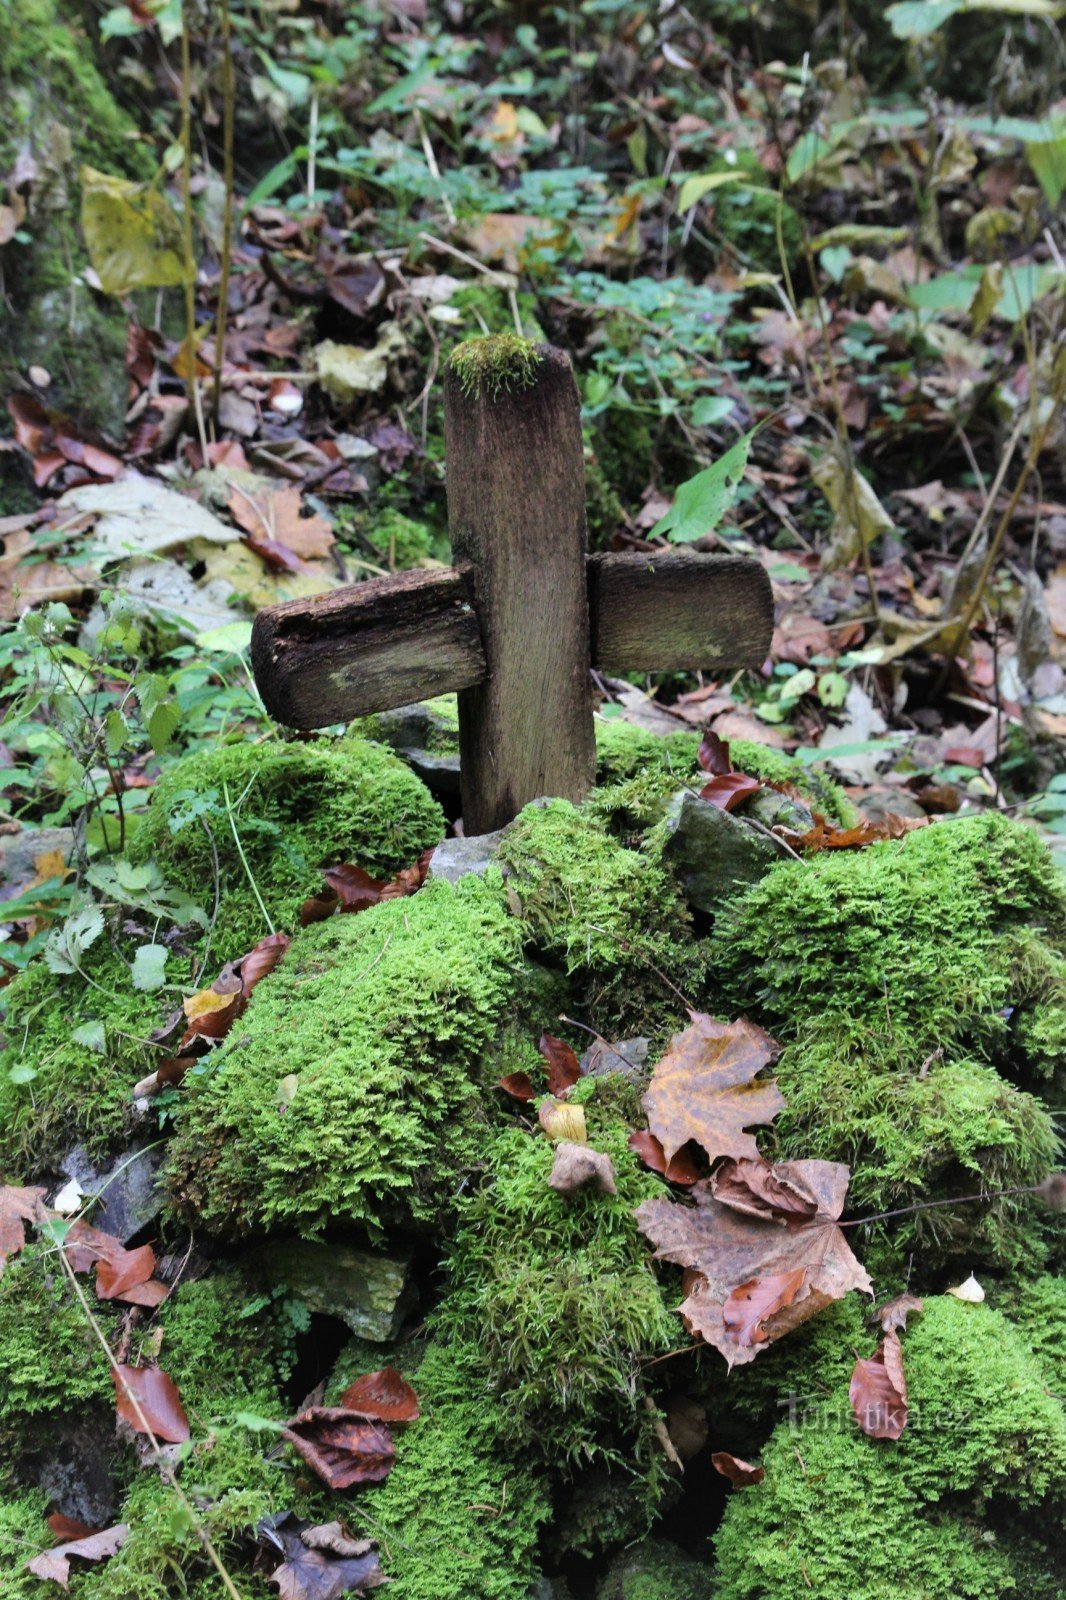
(877, 804)
(627, 1057)
(427, 740)
(71, 1461)
(130, 1190)
(655, 1567)
(18, 850)
(365, 1289)
(458, 858)
(712, 852)
(776, 810)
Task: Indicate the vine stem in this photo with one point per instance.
(165, 1468)
(244, 859)
(931, 1205)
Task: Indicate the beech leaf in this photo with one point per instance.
(728, 789)
(564, 1069)
(680, 1169)
(384, 1395)
(17, 1207)
(518, 1085)
(158, 1399)
(703, 1088)
(750, 1305)
(727, 1251)
(127, 1275)
(740, 1473)
(54, 1564)
(341, 1446)
(878, 1391)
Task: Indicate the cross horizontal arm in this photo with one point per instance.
(388, 642)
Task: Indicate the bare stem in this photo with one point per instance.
(228, 94)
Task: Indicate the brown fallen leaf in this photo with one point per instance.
(158, 1399)
(576, 1165)
(750, 1306)
(54, 1564)
(262, 959)
(725, 1248)
(824, 836)
(893, 1315)
(761, 1190)
(564, 1069)
(878, 1391)
(127, 1275)
(517, 1085)
(322, 1562)
(740, 1473)
(703, 1088)
(67, 1529)
(342, 1446)
(728, 790)
(680, 1169)
(713, 754)
(17, 1207)
(384, 1395)
(85, 1245)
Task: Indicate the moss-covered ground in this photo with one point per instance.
(916, 989)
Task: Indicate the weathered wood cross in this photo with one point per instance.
(515, 624)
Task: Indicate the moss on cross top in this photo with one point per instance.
(495, 364)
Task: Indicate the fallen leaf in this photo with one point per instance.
(275, 514)
(576, 1165)
(341, 1446)
(702, 1089)
(67, 1529)
(132, 232)
(17, 1207)
(760, 1190)
(680, 1169)
(750, 1306)
(562, 1122)
(564, 1069)
(54, 1564)
(322, 1562)
(158, 1399)
(262, 959)
(347, 371)
(894, 1313)
(384, 1395)
(518, 1085)
(970, 1291)
(713, 754)
(127, 1275)
(728, 789)
(878, 1391)
(85, 1245)
(725, 1248)
(825, 836)
(141, 516)
(740, 1473)
(354, 888)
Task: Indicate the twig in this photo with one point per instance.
(191, 380)
(244, 858)
(228, 97)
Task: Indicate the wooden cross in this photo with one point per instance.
(516, 623)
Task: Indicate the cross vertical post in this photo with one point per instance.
(516, 513)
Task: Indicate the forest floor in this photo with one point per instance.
(809, 274)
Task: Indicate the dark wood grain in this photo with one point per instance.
(516, 511)
(679, 611)
(367, 648)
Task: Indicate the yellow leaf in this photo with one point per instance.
(694, 189)
(132, 232)
(204, 1002)
(563, 1123)
(504, 124)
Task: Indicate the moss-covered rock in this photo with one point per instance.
(275, 815)
(382, 1018)
(655, 1570)
(58, 109)
(849, 1518)
(559, 1292)
(458, 1517)
(50, 1362)
(24, 1533)
(891, 973)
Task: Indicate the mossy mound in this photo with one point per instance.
(891, 974)
(560, 1295)
(275, 815)
(603, 912)
(382, 1019)
(78, 1093)
(457, 1518)
(655, 1570)
(495, 363)
(849, 1518)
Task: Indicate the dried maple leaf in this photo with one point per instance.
(760, 1190)
(54, 1564)
(158, 1399)
(824, 836)
(740, 1473)
(272, 516)
(750, 1306)
(342, 1446)
(725, 1248)
(17, 1207)
(703, 1088)
(564, 1069)
(576, 1165)
(384, 1395)
(878, 1391)
(680, 1169)
(893, 1315)
(322, 1562)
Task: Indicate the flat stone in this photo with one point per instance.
(877, 804)
(712, 852)
(130, 1190)
(776, 810)
(459, 858)
(425, 739)
(627, 1058)
(365, 1289)
(655, 1567)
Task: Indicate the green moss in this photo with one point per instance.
(382, 1017)
(747, 214)
(1037, 1309)
(625, 444)
(495, 364)
(78, 1093)
(603, 912)
(889, 974)
(457, 1518)
(655, 1570)
(49, 1359)
(559, 1292)
(981, 1426)
(295, 808)
(23, 1534)
(402, 541)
